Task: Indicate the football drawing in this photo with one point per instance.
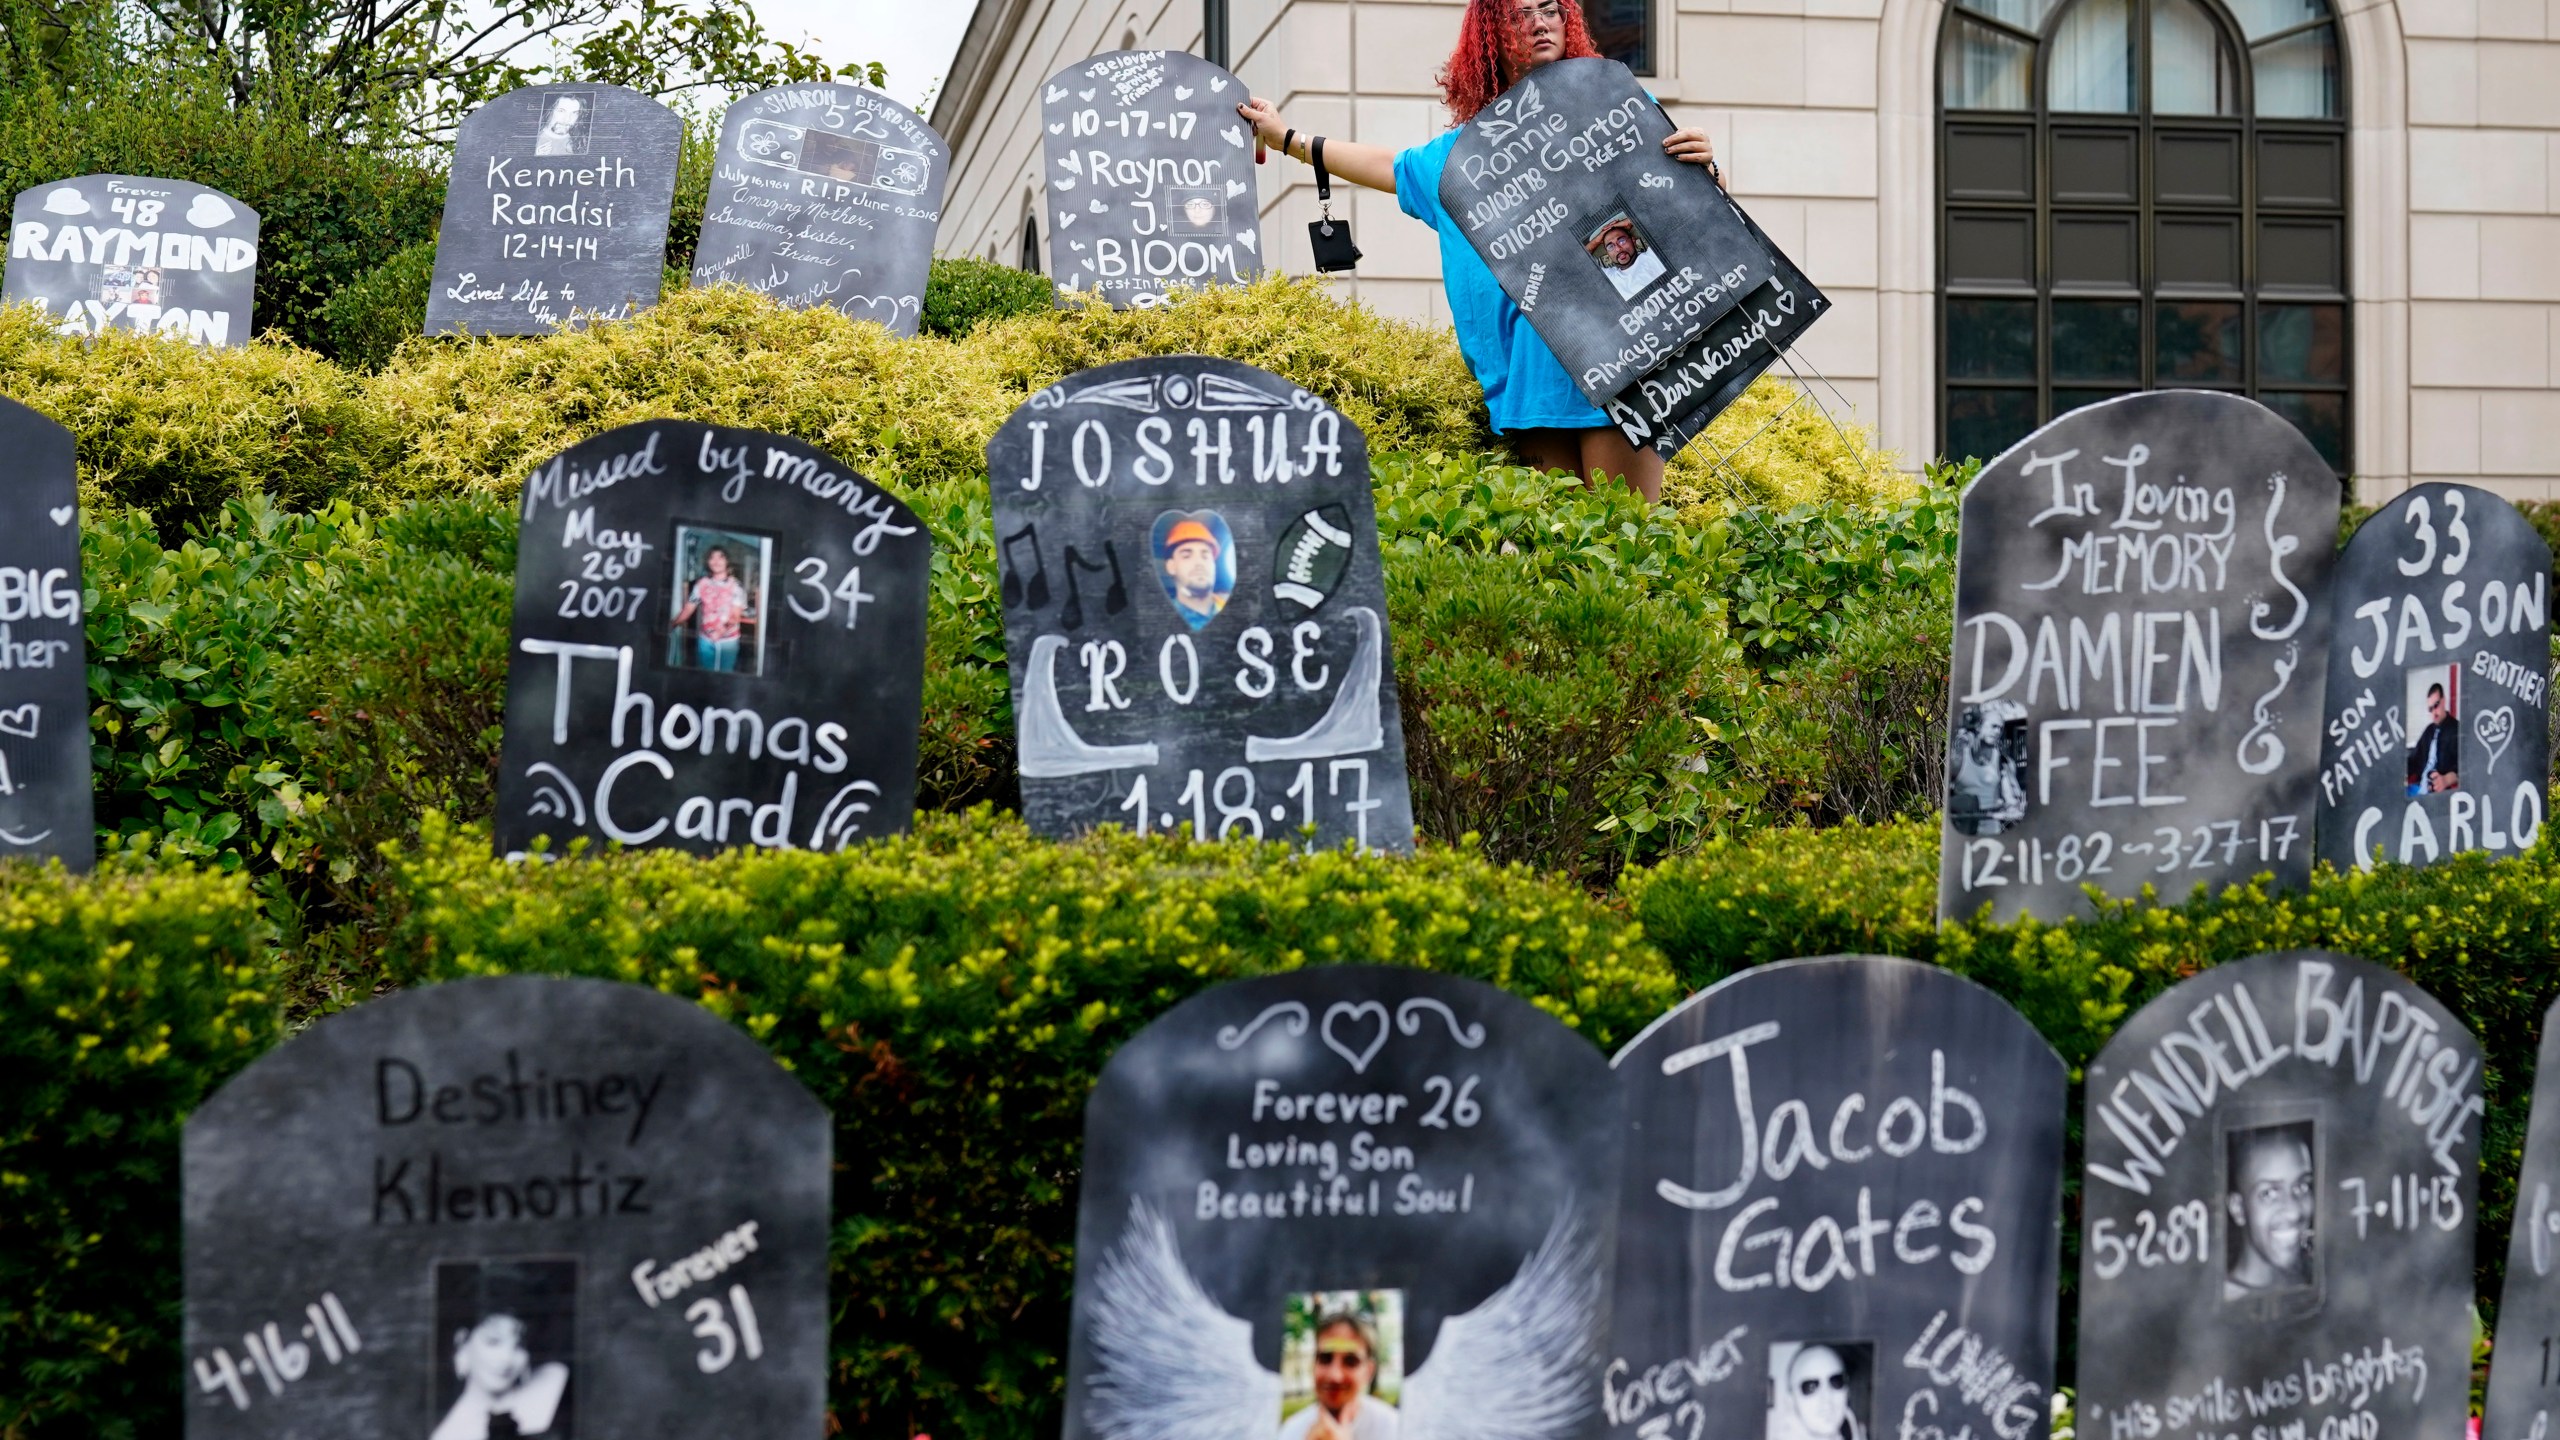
(1313, 554)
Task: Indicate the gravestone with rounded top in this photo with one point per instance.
(1841, 1209)
(135, 253)
(1658, 295)
(46, 809)
(2141, 640)
(1195, 617)
(1150, 177)
(2438, 739)
(2282, 1168)
(825, 194)
(556, 210)
(718, 641)
(519, 1205)
(2524, 1364)
(1375, 1197)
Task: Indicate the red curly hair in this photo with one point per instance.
(1493, 52)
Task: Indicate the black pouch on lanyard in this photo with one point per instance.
(1330, 238)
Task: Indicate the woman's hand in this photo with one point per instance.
(1264, 117)
(1693, 146)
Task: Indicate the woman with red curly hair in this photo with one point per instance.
(1533, 402)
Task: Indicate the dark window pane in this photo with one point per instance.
(2199, 169)
(1991, 339)
(1622, 30)
(2197, 252)
(1982, 423)
(2199, 342)
(2302, 342)
(2303, 255)
(2322, 419)
(1991, 249)
(2093, 250)
(1986, 162)
(2066, 401)
(2301, 170)
(2093, 165)
(2097, 340)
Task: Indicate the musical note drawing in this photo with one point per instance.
(1014, 590)
(1114, 600)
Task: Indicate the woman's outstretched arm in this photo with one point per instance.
(1370, 165)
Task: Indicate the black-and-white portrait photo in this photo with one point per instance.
(567, 124)
(505, 1333)
(1987, 774)
(2271, 1197)
(1821, 1389)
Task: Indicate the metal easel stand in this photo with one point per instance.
(1725, 459)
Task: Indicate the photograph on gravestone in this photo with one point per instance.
(1841, 1210)
(1150, 178)
(825, 194)
(1194, 613)
(718, 641)
(520, 1205)
(2524, 1363)
(46, 807)
(557, 209)
(129, 252)
(1360, 1202)
(2142, 634)
(1659, 296)
(2438, 733)
(2281, 1173)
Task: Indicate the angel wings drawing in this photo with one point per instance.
(1170, 1364)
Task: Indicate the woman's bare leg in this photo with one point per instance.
(1549, 449)
(1606, 453)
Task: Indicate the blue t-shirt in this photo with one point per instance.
(1525, 386)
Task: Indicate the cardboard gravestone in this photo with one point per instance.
(2524, 1364)
(825, 194)
(1660, 297)
(46, 808)
(585, 1208)
(2142, 631)
(1840, 1215)
(1150, 177)
(1194, 614)
(2282, 1163)
(1377, 1194)
(129, 252)
(719, 640)
(557, 207)
(2438, 739)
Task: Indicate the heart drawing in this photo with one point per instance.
(1097, 207)
(21, 720)
(1181, 92)
(62, 514)
(1365, 1010)
(1235, 188)
(2497, 730)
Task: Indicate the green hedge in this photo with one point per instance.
(949, 996)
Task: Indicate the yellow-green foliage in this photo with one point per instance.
(180, 431)
(124, 1001)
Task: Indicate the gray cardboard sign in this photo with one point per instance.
(2142, 635)
(2282, 1172)
(578, 1208)
(1841, 1210)
(1424, 1156)
(557, 207)
(2438, 734)
(46, 807)
(1150, 177)
(130, 252)
(2524, 1364)
(1658, 295)
(719, 641)
(825, 194)
(1194, 613)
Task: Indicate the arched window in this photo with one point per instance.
(2140, 194)
(1030, 242)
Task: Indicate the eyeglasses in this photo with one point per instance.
(1814, 1385)
(1549, 11)
(1341, 1357)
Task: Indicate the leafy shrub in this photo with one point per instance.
(1779, 445)
(1871, 711)
(949, 996)
(1804, 571)
(378, 310)
(1533, 712)
(125, 999)
(964, 292)
(328, 212)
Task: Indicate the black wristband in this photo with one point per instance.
(1287, 138)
